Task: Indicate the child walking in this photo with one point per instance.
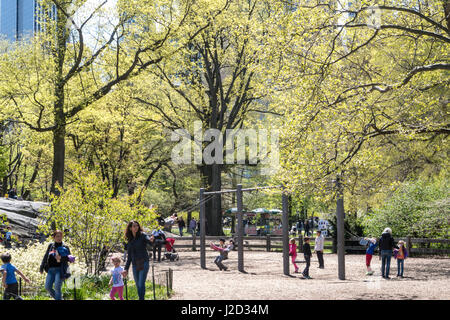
(293, 253)
(307, 254)
(400, 254)
(9, 278)
(369, 253)
(223, 252)
(116, 279)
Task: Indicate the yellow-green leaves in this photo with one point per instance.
(92, 218)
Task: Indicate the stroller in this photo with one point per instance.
(170, 253)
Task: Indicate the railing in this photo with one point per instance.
(163, 279)
(267, 243)
(415, 246)
(273, 242)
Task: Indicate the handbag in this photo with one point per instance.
(46, 266)
(140, 264)
(65, 272)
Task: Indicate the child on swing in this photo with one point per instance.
(223, 252)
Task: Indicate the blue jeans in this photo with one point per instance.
(139, 278)
(308, 263)
(385, 262)
(54, 278)
(218, 262)
(400, 265)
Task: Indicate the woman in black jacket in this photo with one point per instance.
(137, 255)
(52, 263)
(386, 245)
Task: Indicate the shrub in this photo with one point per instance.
(95, 221)
(418, 209)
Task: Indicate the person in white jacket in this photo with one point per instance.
(318, 248)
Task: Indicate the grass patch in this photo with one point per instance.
(97, 288)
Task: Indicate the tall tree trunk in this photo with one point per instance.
(59, 133)
(59, 148)
(212, 181)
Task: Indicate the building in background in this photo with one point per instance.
(22, 18)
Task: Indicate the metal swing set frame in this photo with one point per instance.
(240, 226)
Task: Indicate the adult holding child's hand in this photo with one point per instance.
(137, 255)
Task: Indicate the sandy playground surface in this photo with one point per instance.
(425, 278)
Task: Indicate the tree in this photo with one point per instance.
(367, 100)
(110, 137)
(57, 74)
(213, 80)
(419, 209)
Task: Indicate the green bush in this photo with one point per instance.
(419, 209)
(94, 219)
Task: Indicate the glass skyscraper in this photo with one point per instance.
(20, 18)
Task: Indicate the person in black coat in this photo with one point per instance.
(137, 255)
(307, 228)
(307, 254)
(386, 245)
(52, 263)
(181, 225)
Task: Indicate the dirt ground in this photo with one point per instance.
(424, 279)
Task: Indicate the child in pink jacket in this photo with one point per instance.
(293, 253)
(223, 253)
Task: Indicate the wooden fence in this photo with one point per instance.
(415, 246)
(267, 243)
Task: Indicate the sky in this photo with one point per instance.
(105, 19)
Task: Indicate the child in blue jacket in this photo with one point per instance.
(372, 244)
(9, 280)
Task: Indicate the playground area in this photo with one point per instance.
(426, 278)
